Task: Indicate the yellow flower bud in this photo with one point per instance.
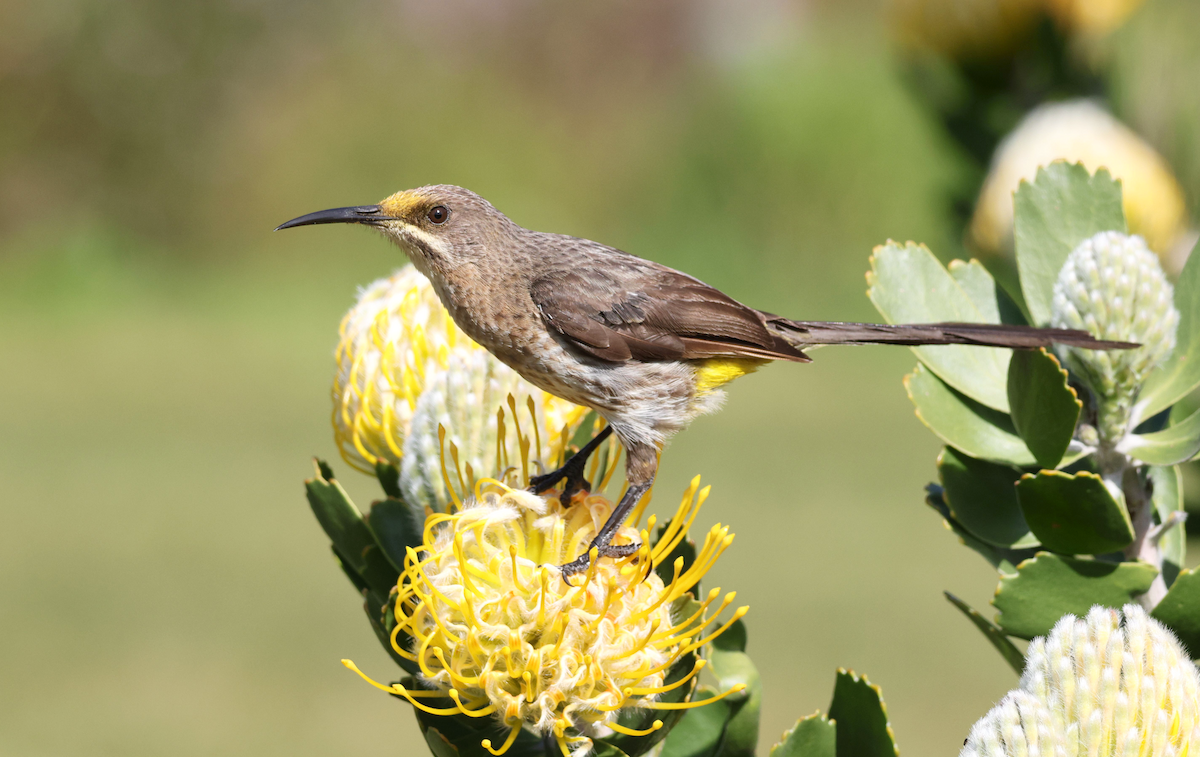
(1080, 131)
(396, 341)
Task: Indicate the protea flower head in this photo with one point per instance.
(397, 340)
(1114, 684)
(1080, 131)
(1113, 287)
(497, 631)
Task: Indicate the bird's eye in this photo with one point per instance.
(438, 214)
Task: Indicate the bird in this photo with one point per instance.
(647, 347)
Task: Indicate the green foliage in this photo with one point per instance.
(1050, 586)
(1073, 514)
(863, 729)
(1180, 373)
(1031, 471)
(1174, 444)
(1167, 498)
(857, 725)
(1178, 610)
(1062, 207)
(1044, 407)
(962, 423)
(982, 496)
(909, 285)
(992, 633)
(813, 736)
(729, 727)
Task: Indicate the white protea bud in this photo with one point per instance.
(394, 341)
(1080, 131)
(1113, 287)
(1098, 687)
(470, 400)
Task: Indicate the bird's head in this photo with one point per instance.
(439, 227)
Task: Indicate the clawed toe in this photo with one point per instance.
(581, 563)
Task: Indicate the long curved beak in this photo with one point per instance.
(368, 214)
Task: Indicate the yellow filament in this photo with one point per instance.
(652, 705)
(632, 732)
(445, 475)
(645, 612)
(508, 742)
(398, 689)
(396, 645)
(615, 458)
(480, 713)
(651, 690)
(537, 437)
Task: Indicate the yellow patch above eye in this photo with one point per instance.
(402, 204)
(717, 371)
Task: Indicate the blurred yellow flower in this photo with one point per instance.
(1092, 17)
(397, 341)
(498, 633)
(963, 29)
(1080, 131)
(1098, 687)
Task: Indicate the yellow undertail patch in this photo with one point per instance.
(715, 372)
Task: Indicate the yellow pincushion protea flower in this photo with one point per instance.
(1098, 687)
(396, 341)
(1080, 131)
(497, 631)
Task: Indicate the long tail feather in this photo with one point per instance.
(808, 333)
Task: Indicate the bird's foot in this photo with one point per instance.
(581, 563)
(575, 481)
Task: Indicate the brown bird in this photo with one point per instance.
(645, 346)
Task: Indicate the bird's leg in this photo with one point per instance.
(571, 470)
(641, 465)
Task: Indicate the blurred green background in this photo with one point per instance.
(165, 359)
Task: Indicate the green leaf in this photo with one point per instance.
(1050, 586)
(1044, 409)
(1003, 560)
(395, 526)
(699, 732)
(993, 302)
(1074, 514)
(813, 736)
(375, 615)
(1174, 444)
(992, 632)
(964, 424)
(1062, 207)
(462, 736)
(340, 519)
(909, 285)
(389, 478)
(1180, 374)
(863, 729)
(1180, 610)
(732, 666)
(1167, 498)
(982, 496)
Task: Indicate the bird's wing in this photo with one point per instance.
(630, 309)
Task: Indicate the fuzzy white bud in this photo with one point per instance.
(1098, 687)
(1113, 287)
